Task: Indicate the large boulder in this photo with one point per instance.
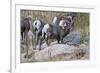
(57, 50)
(72, 38)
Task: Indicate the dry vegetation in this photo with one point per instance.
(81, 25)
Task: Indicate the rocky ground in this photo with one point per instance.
(58, 52)
(71, 50)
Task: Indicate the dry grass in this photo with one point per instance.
(81, 25)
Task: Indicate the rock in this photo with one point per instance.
(55, 50)
(44, 45)
(72, 38)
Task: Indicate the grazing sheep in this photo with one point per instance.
(57, 30)
(70, 17)
(56, 19)
(38, 26)
(25, 26)
(54, 32)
